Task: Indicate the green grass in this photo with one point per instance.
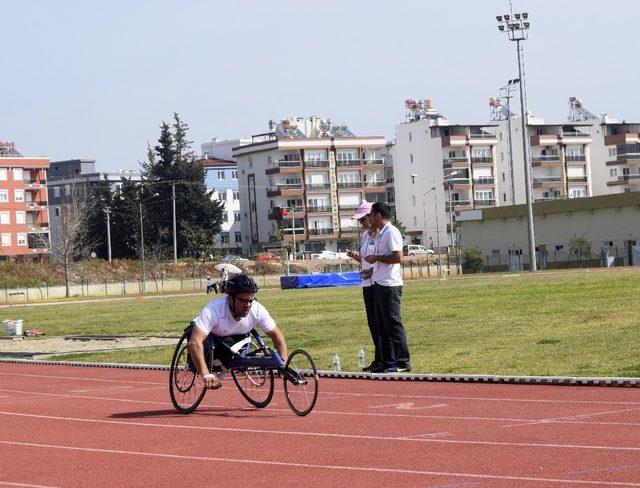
(581, 323)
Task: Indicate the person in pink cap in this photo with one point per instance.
(367, 247)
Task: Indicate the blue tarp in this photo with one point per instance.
(351, 278)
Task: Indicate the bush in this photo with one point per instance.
(472, 261)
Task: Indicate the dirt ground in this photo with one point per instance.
(42, 346)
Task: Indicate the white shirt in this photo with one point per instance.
(216, 319)
(367, 248)
(389, 240)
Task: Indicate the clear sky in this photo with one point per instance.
(86, 79)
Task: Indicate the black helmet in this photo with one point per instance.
(241, 284)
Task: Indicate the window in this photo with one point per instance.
(4, 195)
(222, 196)
(495, 252)
(577, 192)
(236, 216)
(57, 211)
(224, 238)
(411, 158)
(612, 152)
(6, 239)
(234, 174)
(625, 171)
(17, 174)
(4, 218)
(501, 156)
(3, 174)
(225, 217)
(238, 237)
(415, 220)
(410, 138)
(18, 195)
(627, 189)
(67, 190)
(613, 172)
(56, 192)
(20, 218)
(22, 239)
(484, 195)
(250, 166)
(221, 175)
(504, 197)
(413, 199)
(559, 247)
(236, 195)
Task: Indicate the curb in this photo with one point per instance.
(452, 378)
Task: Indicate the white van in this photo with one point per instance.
(417, 250)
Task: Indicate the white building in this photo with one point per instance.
(317, 170)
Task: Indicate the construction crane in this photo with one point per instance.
(577, 112)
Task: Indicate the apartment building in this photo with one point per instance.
(24, 217)
(72, 178)
(560, 156)
(317, 170)
(440, 169)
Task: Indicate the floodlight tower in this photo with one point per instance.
(516, 26)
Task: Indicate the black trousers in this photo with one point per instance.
(368, 293)
(395, 350)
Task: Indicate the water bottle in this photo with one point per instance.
(361, 357)
(336, 362)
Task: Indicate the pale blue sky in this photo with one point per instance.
(85, 79)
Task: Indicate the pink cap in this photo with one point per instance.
(363, 209)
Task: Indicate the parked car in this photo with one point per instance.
(267, 257)
(326, 255)
(232, 258)
(418, 250)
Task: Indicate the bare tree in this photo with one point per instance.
(72, 239)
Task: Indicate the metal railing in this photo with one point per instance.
(287, 164)
(318, 186)
(481, 159)
(317, 163)
(483, 181)
(372, 184)
(348, 162)
(374, 161)
(485, 201)
(319, 208)
(319, 232)
(574, 157)
(481, 135)
(575, 134)
(349, 184)
(457, 159)
(546, 157)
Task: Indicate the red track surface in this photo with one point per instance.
(66, 427)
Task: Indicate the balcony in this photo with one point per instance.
(459, 162)
(577, 158)
(481, 135)
(349, 185)
(484, 181)
(351, 229)
(316, 163)
(547, 181)
(36, 206)
(374, 186)
(484, 202)
(456, 183)
(455, 140)
(577, 179)
(632, 179)
(320, 232)
(458, 205)
(544, 140)
(284, 167)
(547, 199)
(373, 161)
(482, 160)
(576, 135)
(34, 184)
(349, 207)
(319, 209)
(285, 189)
(619, 139)
(545, 160)
(317, 186)
(37, 227)
(341, 163)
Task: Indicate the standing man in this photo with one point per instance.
(387, 285)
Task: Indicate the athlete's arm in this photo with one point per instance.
(279, 342)
(196, 349)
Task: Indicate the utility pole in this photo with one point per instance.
(108, 211)
(516, 26)
(175, 238)
(293, 220)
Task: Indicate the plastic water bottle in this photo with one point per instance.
(361, 357)
(336, 362)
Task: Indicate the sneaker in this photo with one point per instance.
(398, 369)
(378, 369)
(372, 366)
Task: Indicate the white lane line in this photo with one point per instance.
(25, 485)
(205, 408)
(369, 395)
(433, 434)
(324, 434)
(573, 417)
(319, 466)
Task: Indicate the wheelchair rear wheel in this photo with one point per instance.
(185, 386)
(300, 382)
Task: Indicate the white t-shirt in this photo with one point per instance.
(367, 248)
(216, 319)
(389, 240)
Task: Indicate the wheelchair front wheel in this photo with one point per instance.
(300, 382)
(185, 386)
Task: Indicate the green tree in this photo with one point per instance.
(580, 247)
(472, 261)
(398, 224)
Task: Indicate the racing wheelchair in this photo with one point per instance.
(253, 366)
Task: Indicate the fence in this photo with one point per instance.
(410, 269)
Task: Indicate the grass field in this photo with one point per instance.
(575, 323)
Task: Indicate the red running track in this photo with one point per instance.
(64, 426)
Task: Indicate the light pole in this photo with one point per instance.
(516, 27)
(451, 175)
(108, 211)
(505, 92)
(142, 238)
(435, 200)
(175, 238)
